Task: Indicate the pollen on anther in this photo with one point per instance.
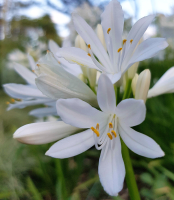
(97, 126)
(119, 50)
(12, 100)
(110, 125)
(7, 102)
(89, 46)
(110, 136)
(38, 65)
(92, 128)
(109, 29)
(131, 41)
(89, 54)
(48, 51)
(59, 62)
(124, 41)
(32, 70)
(114, 133)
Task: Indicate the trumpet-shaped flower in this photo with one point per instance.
(164, 85)
(104, 129)
(55, 82)
(120, 54)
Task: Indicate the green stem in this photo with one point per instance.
(128, 89)
(117, 94)
(130, 177)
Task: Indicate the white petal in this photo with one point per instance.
(25, 73)
(53, 46)
(136, 34)
(89, 36)
(20, 91)
(111, 169)
(43, 112)
(114, 77)
(77, 56)
(44, 132)
(147, 49)
(31, 61)
(106, 94)
(57, 88)
(113, 18)
(131, 111)
(164, 85)
(23, 104)
(140, 143)
(72, 145)
(79, 113)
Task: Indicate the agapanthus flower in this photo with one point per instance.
(121, 53)
(104, 130)
(28, 95)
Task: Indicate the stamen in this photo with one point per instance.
(59, 62)
(89, 46)
(131, 41)
(110, 125)
(48, 51)
(95, 131)
(97, 126)
(124, 41)
(19, 99)
(32, 70)
(109, 29)
(109, 135)
(12, 100)
(89, 54)
(38, 65)
(119, 50)
(7, 102)
(114, 133)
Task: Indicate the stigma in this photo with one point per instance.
(109, 29)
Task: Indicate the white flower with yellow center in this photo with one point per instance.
(120, 54)
(104, 129)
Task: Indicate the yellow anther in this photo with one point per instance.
(12, 100)
(59, 62)
(7, 102)
(95, 131)
(38, 65)
(110, 125)
(32, 70)
(119, 50)
(109, 29)
(131, 41)
(124, 41)
(48, 51)
(89, 54)
(109, 135)
(89, 46)
(97, 126)
(19, 99)
(114, 133)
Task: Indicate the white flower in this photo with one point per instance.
(104, 129)
(121, 54)
(164, 85)
(55, 82)
(44, 132)
(29, 94)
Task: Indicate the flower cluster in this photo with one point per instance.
(82, 84)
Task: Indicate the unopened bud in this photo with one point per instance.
(80, 43)
(99, 31)
(132, 70)
(92, 77)
(143, 84)
(134, 83)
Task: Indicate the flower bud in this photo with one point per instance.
(134, 83)
(80, 43)
(92, 77)
(99, 31)
(143, 84)
(132, 70)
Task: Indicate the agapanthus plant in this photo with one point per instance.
(99, 113)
